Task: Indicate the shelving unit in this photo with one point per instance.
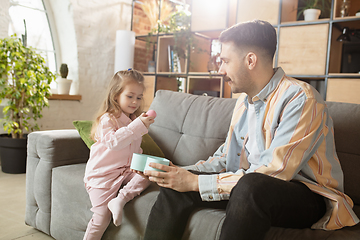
(307, 50)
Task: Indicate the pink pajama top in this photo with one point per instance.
(110, 156)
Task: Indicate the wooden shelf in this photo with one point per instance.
(354, 6)
(351, 18)
(302, 49)
(258, 9)
(65, 97)
(343, 90)
(344, 75)
(210, 86)
(307, 50)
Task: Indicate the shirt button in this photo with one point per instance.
(242, 138)
(238, 154)
(210, 197)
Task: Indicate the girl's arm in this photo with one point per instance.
(122, 137)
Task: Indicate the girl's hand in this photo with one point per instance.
(140, 173)
(147, 120)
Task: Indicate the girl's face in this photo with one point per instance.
(130, 98)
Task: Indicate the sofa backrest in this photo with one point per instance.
(346, 118)
(189, 128)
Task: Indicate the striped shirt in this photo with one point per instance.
(295, 137)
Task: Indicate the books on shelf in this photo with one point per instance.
(174, 60)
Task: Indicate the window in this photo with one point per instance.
(30, 16)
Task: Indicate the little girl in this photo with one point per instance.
(118, 131)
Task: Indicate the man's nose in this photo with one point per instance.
(221, 69)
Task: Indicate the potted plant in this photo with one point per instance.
(64, 84)
(312, 9)
(25, 87)
(185, 41)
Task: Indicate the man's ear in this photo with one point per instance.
(251, 60)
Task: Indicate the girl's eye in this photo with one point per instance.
(129, 96)
(139, 98)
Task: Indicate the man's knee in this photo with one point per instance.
(251, 185)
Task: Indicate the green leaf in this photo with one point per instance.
(6, 109)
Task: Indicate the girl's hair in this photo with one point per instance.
(115, 88)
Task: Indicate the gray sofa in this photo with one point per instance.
(187, 128)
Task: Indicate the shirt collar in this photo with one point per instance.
(271, 86)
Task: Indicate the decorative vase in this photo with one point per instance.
(344, 9)
(63, 86)
(13, 153)
(151, 66)
(311, 14)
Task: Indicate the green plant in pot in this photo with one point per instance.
(24, 87)
(312, 9)
(64, 84)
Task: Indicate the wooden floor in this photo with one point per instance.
(12, 210)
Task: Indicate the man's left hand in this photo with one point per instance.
(173, 177)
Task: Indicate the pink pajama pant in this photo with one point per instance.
(133, 183)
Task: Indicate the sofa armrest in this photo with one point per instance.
(45, 151)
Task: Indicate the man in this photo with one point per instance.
(278, 166)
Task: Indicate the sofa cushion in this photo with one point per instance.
(188, 127)
(84, 129)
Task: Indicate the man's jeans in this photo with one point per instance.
(256, 203)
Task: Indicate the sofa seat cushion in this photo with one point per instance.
(71, 214)
(70, 199)
(71, 211)
(70, 206)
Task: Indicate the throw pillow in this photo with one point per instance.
(84, 129)
(148, 145)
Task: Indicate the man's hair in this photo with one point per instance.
(254, 34)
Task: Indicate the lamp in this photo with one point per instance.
(344, 37)
(124, 50)
(347, 34)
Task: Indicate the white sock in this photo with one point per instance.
(116, 206)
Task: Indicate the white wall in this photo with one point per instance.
(4, 18)
(89, 29)
(86, 42)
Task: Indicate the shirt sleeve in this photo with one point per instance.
(122, 137)
(215, 163)
(217, 187)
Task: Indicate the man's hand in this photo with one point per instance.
(174, 177)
